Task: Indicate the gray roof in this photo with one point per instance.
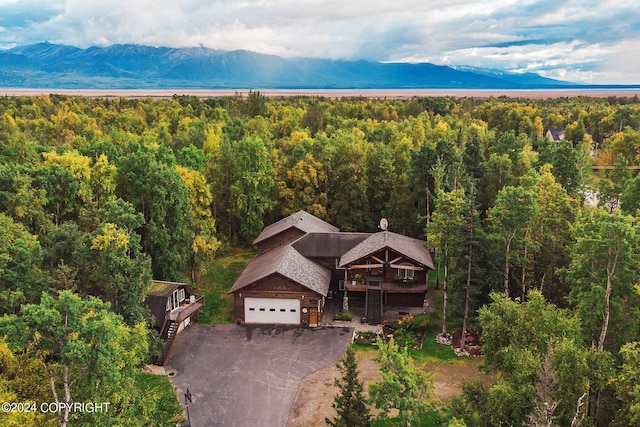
(301, 220)
(556, 134)
(289, 263)
(413, 249)
(327, 245)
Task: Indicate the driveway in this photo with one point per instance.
(248, 375)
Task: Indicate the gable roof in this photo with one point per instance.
(555, 134)
(162, 288)
(287, 262)
(327, 245)
(300, 220)
(411, 248)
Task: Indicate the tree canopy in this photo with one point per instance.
(97, 196)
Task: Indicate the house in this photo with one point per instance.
(174, 307)
(555, 134)
(303, 260)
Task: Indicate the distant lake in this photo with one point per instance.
(333, 93)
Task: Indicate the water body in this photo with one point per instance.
(333, 93)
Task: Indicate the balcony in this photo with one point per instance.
(187, 308)
(376, 282)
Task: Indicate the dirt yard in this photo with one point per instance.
(315, 396)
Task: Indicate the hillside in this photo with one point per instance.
(47, 65)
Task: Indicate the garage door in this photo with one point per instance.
(271, 310)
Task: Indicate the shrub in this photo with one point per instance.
(342, 316)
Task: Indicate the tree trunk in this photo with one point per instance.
(506, 268)
(605, 321)
(579, 415)
(524, 273)
(445, 289)
(611, 268)
(466, 301)
(64, 417)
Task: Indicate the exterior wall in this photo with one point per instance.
(404, 300)
(276, 286)
(278, 240)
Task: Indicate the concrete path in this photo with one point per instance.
(248, 375)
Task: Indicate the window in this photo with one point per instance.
(252, 309)
(272, 309)
(175, 299)
(283, 310)
(262, 309)
(406, 273)
(293, 310)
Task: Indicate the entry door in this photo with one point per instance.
(313, 317)
(272, 310)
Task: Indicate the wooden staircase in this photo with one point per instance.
(167, 335)
(374, 306)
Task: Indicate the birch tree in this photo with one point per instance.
(445, 227)
(86, 351)
(605, 263)
(512, 214)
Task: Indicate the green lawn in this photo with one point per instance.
(431, 351)
(167, 411)
(218, 277)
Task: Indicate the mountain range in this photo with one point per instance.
(46, 65)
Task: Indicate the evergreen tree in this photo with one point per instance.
(350, 403)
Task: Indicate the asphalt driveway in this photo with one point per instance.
(248, 375)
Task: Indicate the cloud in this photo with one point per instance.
(591, 40)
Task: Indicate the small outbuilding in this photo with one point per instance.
(174, 307)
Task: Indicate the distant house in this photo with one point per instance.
(555, 134)
(174, 307)
(302, 260)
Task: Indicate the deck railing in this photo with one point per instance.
(188, 308)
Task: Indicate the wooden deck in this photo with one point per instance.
(186, 310)
(395, 287)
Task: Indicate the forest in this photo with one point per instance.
(537, 241)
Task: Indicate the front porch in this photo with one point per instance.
(357, 306)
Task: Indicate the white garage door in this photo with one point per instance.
(271, 310)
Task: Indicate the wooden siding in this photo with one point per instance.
(404, 300)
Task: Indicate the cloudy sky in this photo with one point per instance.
(593, 41)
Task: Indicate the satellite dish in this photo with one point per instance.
(384, 224)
